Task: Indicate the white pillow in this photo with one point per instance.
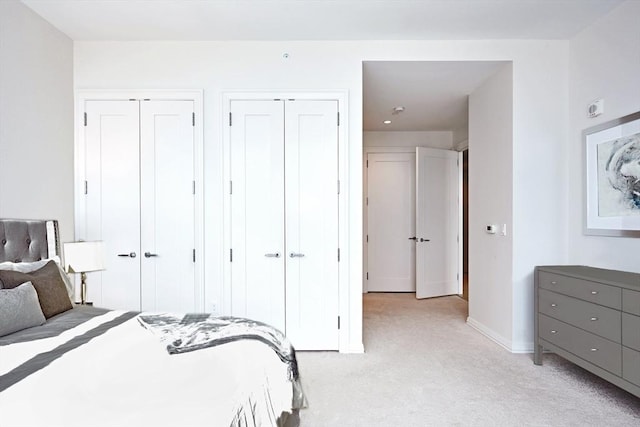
(19, 309)
(28, 267)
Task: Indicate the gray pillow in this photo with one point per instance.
(19, 309)
(50, 287)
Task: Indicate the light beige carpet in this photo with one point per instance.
(424, 366)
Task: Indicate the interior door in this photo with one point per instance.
(311, 217)
(167, 203)
(436, 222)
(113, 200)
(391, 222)
(257, 211)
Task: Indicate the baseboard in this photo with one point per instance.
(353, 348)
(510, 346)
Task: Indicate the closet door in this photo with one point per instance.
(113, 200)
(311, 217)
(167, 206)
(257, 211)
(139, 158)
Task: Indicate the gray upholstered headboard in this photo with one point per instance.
(25, 240)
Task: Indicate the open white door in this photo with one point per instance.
(436, 222)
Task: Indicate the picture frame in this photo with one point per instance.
(612, 178)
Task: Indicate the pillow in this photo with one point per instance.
(28, 267)
(50, 287)
(19, 309)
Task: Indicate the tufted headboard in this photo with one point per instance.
(24, 240)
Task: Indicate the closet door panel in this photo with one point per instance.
(311, 153)
(113, 200)
(167, 205)
(257, 211)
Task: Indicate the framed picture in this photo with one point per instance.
(612, 182)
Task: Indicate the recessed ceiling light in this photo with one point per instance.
(397, 110)
(387, 122)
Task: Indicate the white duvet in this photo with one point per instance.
(125, 377)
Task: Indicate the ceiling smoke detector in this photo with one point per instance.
(398, 110)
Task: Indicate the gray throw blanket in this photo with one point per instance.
(196, 331)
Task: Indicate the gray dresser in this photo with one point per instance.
(591, 317)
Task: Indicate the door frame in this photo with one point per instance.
(81, 96)
(343, 195)
(365, 220)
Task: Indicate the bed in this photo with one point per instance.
(92, 366)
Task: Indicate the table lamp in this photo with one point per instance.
(83, 257)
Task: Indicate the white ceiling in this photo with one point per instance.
(320, 19)
(434, 93)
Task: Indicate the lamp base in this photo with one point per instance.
(84, 303)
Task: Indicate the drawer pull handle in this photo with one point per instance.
(593, 319)
(553, 282)
(554, 305)
(554, 332)
(594, 349)
(594, 292)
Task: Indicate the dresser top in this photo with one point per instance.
(623, 279)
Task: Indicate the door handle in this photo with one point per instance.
(295, 255)
(424, 240)
(149, 255)
(274, 255)
(130, 255)
(413, 238)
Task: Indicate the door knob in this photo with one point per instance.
(149, 255)
(295, 255)
(424, 240)
(413, 238)
(130, 255)
(273, 255)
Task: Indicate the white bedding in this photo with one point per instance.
(125, 377)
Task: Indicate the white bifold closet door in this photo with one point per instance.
(140, 203)
(284, 215)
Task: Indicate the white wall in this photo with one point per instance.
(229, 66)
(491, 202)
(605, 63)
(36, 118)
(442, 140)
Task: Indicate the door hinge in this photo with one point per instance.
(367, 163)
(367, 201)
(193, 119)
(230, 120)
(85, 118)
(338, 118)
(367, 238)
(338, 254)
(86, 187)
(367, 275)
(230, 187)
(194, 187)
(338, 186)
(194, 255)
(230, 255)
(338, 322)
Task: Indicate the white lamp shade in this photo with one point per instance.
(82, 257)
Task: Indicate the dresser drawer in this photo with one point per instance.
(594, 318)
(631, 302)
(631, 365)
(606, 295)
(592, 348)
(631, 331)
